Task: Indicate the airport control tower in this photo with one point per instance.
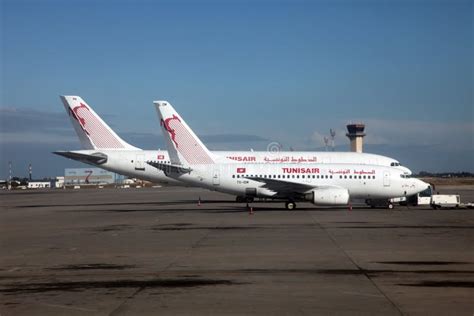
(355, 132)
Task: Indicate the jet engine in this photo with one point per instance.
(328, 196)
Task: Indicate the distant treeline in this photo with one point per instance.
(445, 174)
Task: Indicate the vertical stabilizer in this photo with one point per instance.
(184, 147)
(92, 131)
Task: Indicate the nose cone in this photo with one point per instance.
(420, 186)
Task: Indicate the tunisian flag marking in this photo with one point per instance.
(240, 170)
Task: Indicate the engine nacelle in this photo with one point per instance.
(328, 196)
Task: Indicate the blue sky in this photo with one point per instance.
(283, 71)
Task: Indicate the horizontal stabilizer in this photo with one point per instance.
(167, 168)
(93, 159)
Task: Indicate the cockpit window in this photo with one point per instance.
(405, 176)
(395, 164)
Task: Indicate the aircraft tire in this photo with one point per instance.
(290, 205)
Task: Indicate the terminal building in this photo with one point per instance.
(81, 176)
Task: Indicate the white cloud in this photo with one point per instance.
(37, 138)
(317, 138)
(412, 132)
(25, 126)
(448, 135)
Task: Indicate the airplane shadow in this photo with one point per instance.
(157, 203)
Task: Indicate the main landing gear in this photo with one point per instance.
(290, 205)
(380, 203)
(244, 199)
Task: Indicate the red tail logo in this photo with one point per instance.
(78, 118)
(166, 125)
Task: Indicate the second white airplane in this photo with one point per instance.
(322, 184)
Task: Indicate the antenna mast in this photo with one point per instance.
(326, 142)
(333, 135)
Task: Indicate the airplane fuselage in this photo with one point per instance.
(361, 181)
(133, 163)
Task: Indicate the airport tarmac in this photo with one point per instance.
(156, 251)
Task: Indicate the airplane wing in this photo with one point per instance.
(169, 168)
(92, 159)
(288, 188)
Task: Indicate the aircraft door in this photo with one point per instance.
(386, 179)
(215, 176)
(140, 162)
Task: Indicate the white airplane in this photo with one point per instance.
(320, 183)
(102, 147)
